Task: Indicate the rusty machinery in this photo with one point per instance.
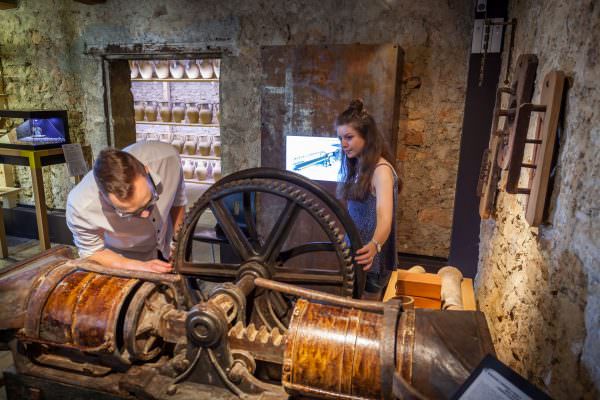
(249, 326)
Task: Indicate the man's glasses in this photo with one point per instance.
(147, 207)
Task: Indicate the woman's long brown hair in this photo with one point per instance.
(356, 173)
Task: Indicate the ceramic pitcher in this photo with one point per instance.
(161, 68)
(204, 145)
(138, 110)
(217, 67)
(177, 143)
(151, 111)
(205, 113)
(146, 69)
(178, 112)
(165, 111)
(216, 146)
(188, 169)
(189, 146)
(206, 68)
(177, 69)
(135, 70)
(192, 113)
(192, 70)
(216, 170)
(201, 171)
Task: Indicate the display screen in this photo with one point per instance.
(314, 157)
(50, 130)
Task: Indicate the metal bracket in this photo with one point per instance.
(487, 32)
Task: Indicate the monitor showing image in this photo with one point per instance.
(314, 157)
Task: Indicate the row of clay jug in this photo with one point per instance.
(175, 69)
(201, 170)
(191, 113)
(203, 145)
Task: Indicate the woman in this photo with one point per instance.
(369, 185)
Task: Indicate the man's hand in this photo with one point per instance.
(155, 266)
(109, 258)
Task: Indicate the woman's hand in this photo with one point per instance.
(365, 255)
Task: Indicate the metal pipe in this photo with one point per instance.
(246, 284)
(365, 305)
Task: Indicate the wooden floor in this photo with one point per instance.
(19, 249)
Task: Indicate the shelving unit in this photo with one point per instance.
(175, 123)
(174, 80)
(183, 91)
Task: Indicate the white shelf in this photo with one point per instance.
(198, 156)
(176, 124)
(206, 182)
(175, 80)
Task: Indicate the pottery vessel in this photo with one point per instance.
(165, 111)
(161, 68)
(205, 113)
(146, 69)
(216, 170)
(165, 137)
(189, 147)
(217, 112)
(216, 146)
(217, 67)
(177, 69)
(192, 113)
(135, 70)
(192, 71)
(177, 143)
(201, 171)
(206, 69)
(178, 112)
(188, 168)
(204, 145)
(138, 110)
(151, 111)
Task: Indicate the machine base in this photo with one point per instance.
(25, 387)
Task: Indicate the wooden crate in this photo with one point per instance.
(426, 289)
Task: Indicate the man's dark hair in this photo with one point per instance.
(115, 171)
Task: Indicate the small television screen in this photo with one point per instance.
(314, 157)
(42, 131)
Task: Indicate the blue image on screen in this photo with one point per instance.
(36, 130)
(314, 157)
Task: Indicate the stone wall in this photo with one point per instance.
(540, 287)
(42, 45)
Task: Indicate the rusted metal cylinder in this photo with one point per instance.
(78, 310)
(333, 352)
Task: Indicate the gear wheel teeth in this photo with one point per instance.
(258, 336)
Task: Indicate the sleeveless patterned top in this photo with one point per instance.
(364, 215)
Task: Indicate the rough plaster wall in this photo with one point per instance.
(43, 45)
(540, 287)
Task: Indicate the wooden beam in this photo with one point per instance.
(8, 4)
(90, 2)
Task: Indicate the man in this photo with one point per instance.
(124, 213)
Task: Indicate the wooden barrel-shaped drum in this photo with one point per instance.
(332, 352)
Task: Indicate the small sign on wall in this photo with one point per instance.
(74, 158)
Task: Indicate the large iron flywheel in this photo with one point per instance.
(274, 224)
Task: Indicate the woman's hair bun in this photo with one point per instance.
(356, 105)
